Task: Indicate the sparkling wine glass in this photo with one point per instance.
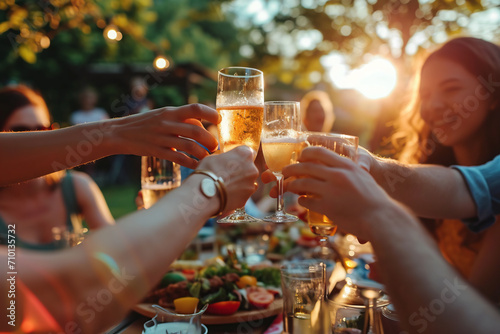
(320, 224)
(240, 104)
(280, 145)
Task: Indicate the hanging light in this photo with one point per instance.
(112, 33)
(161, 63)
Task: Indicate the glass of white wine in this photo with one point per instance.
(280, 145)
(344, 145)
(240, 104)
(158, 177)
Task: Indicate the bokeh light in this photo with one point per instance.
(112, 33)
(161, 63)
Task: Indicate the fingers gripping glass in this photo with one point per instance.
(280, 146)
(320, 224)
(240, 104)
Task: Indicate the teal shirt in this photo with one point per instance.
(484, 185)
(71, 204)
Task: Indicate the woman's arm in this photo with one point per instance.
(92, 286)
(159, 133)
(94, 209)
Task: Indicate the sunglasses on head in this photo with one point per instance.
(21, 128)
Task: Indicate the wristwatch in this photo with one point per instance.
(212, 185)
(208, 187)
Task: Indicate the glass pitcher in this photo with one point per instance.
(168, 322)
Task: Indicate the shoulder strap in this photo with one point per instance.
(69, 197)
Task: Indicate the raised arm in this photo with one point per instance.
(430, 191)
(92, 286)
(159, 133)
(429, 295)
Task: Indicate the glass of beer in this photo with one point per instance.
(240, 104)
(343, 145)
(158, 177)
(280, 145)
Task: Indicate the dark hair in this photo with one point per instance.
(15, 97)
(414, 138)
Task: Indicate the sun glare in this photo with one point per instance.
(375, 79)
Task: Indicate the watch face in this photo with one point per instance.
(208, 187)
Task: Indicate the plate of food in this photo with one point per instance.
(233, 291)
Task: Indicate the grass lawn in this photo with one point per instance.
(120, 199)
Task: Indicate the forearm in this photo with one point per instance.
(430, 191)
(29, 155)
(120, 264)
(428, 294)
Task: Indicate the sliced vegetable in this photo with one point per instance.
(223, 308)
(260, 299)
(246, 281)
(186, 305)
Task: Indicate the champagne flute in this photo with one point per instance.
(280, 146)
(320, 224)
(240, 104)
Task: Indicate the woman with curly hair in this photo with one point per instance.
(455, 120)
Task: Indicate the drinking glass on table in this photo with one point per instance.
(240, 104)
(158, 177)
(302, 284)
(280, 145)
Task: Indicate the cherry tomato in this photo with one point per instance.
(223, 308)
(189, 273)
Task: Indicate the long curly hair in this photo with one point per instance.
(413, 140)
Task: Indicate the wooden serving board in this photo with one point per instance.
(275, 308)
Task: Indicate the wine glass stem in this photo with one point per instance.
(323, 240)
(279, 183)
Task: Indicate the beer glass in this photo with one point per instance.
(158, 177)
(240, 104)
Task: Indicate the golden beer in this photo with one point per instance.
(240, 125)
(151, 193)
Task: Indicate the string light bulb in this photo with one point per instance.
(112, 33)
(161, 63)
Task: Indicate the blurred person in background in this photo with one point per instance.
(126, 169)
(43, 207)
(454, 119)
(88, 112)
(317, 111)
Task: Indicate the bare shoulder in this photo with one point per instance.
(84, 184)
